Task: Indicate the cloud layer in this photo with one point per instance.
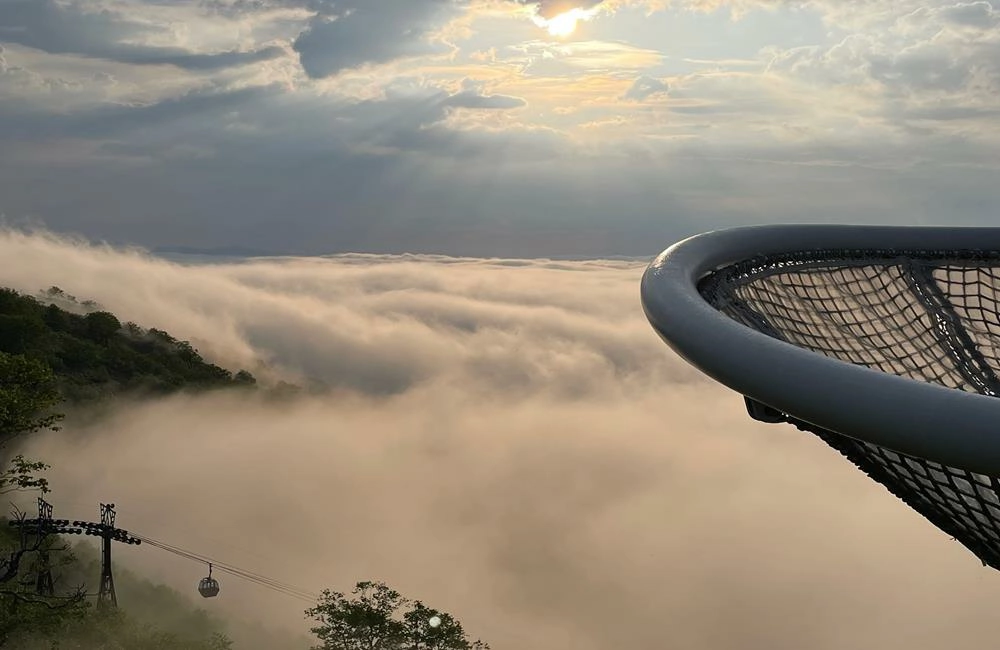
(464, 127)
(73, 28)
(508, 441)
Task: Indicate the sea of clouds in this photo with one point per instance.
(506, 440)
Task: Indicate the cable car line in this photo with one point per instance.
(211, 586)
(263, 581)
(243, 573)
(208, 587)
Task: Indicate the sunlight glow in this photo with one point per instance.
(565, 23)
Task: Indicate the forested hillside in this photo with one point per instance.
(93, 355)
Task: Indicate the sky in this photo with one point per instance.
(512, 128)
(534, 461)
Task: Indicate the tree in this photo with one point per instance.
(428, 628)
(362, 623)
(27, 394)
(110, 629)
(21, 475)
(101, 326)
(22, 611)
(371, 621)
(19, 332)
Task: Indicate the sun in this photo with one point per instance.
(565, 23)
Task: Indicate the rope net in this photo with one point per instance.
(929, 316)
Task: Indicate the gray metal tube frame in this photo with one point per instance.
(934, 422)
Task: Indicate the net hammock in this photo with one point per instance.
(932, 316)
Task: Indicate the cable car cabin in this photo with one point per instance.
(208, 587)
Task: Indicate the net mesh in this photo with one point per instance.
(929, 316)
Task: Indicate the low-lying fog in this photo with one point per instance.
(505, 440)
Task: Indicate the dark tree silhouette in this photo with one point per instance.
(372, 620)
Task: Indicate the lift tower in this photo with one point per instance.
(43, 582)
(108, 533)
(45, 525)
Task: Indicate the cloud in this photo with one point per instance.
(980, 15)
(645, 87)
(343, 35)
(543, 467)
(471, 99)
(939, 55)
(365, 335)
(552, 8)
(70, 28)
(227, 148)
(547, 152)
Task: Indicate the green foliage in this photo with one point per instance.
(28, 390)
(94, 356)
(22, 610)
(21, 475)
(25, 617)
(371, 620)
(101, 326)
(27, 394)
(446, 635)
(110, 629)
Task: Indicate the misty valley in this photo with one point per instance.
(503, 445)
(63, 359)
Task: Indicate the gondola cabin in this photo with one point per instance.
(209, 586)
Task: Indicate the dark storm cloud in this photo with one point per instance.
(61, 28)
(351, 33)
